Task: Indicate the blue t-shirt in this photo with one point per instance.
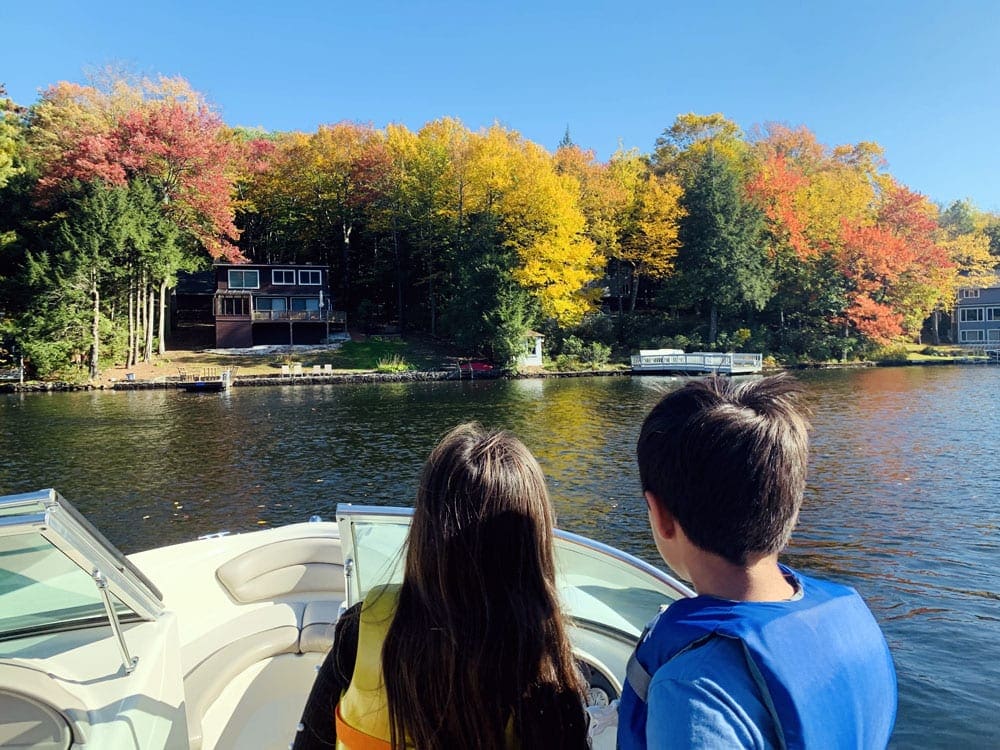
(707, 697)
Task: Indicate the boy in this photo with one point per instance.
(763, 657)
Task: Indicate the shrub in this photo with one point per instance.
(572, 346)
(895, 353)
(565, 362)
(596, 353)
(395, 363)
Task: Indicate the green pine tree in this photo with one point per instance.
(721, 264)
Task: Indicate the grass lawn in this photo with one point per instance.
(352, 356)
(926, 353)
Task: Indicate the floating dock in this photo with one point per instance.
(209, 381)
(675, 360)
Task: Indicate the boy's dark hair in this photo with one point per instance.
(728, 460)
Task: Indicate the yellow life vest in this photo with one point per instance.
(362, 715)
(363, 711)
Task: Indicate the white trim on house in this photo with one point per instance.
(307, 274)
(965, 314)
(975, 336)
(284, 273)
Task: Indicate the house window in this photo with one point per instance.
(310, 278)
(305, 303)
(244, 280)
(234, 305)
(272, 303)
(993, 334)
(282, 276)
(968, 337)
(969, 294)
(993, 313)
(971, 314)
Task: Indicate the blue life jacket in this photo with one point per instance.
(822, 658)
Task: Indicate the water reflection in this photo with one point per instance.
(901, 502)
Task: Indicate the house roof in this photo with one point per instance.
(271, 265)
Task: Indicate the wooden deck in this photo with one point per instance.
(723, 363)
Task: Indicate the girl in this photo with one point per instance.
(470, 650)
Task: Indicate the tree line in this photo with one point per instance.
(766, 240)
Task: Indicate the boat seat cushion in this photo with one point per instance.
(318, 622)
(206, 681)
(289, 567)
(257, 620)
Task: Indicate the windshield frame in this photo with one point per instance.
(51, 517)
(347, 513)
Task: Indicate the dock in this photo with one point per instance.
(209, 380)
(677, 361)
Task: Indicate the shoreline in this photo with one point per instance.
(415, 376)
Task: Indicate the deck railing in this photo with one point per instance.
(700, 361)
(321, 316)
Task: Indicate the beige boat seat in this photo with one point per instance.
(318, 621)
(28, 706)
(286, 568)
(205, 681)
(293, 589)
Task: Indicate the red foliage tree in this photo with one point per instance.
(773, 187)
(178, 145)
(182, 151)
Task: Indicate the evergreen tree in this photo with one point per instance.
(721, 262)
(566, 141)
(489, 312)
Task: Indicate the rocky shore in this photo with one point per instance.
(242, 381)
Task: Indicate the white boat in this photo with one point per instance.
(213, 643)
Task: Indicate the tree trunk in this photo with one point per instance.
(163, 318)
(936, 322)
(150, 310)
(140, 314)
(130, 356)
(346, 257)
(95, 329)
(713, 324)
(399, 275)
(635, 290)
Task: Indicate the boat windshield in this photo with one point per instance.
(51, 563)
(597, 584)
(42, 589)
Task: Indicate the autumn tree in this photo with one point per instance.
(11, 116)
(537, 213)
(650, 244)
(681, 148)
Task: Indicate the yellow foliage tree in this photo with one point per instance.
(651, 247)
(515, 183)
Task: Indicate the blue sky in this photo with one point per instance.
(920, 78)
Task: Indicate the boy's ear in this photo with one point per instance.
(660, 517)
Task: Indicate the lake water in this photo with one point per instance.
(902, 502)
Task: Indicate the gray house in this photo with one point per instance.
(977, 316)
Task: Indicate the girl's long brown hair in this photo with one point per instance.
(478, 633)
